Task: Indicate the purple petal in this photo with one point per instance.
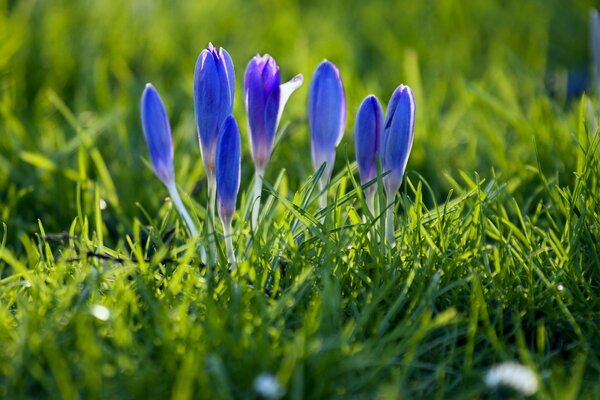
(326, 112)
(207, 100)
(157, 132)
(367, 136)
(398, 137)
(227, 167)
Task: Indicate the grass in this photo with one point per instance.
(498, 221)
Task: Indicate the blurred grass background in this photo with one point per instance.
(508, 271)
(72, 72)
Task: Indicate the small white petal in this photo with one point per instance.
(103, 204)
(267, 386)
(286, 90)
(100, 312)
(513, 375)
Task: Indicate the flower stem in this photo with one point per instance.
(255, 200)
(322, 186)
(370, 200)
(181, 209)
(389, 221)
(229, 244)
(212, 195)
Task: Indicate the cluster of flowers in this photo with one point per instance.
(264, 98)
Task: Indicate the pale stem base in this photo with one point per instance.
(370, 200)
(174, 194)
(389, 221)
(255, 200)
(229, 244)
(322, 185)
(212, 195)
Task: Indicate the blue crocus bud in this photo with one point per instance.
(326, 117)
(227, 167)
(395, 147)
(265, 99)
(397, 137)
(262, 94)
(367, 136)
(214, 86)
(227, 172)
(157, 132)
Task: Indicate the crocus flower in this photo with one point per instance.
(157, 133)
(326, 118)
(396, 144)
(265, 99)
(367, 138)
(214, 87)
(227, 172)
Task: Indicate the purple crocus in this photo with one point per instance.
(326, 118)
(214, 87)
(396, 144)
(227, 172)
(367, 138)
(157, 132)
(265, 99)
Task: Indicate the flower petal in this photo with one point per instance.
(157, 133)
(286, 91)
(227, 167)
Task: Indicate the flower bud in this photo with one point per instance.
(227, 168)
(326, 115)
(214, 87)
(397, 138)
(367, 137)
(157, 133)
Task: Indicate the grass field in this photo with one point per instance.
(103, 295)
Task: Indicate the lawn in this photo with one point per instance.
(104, 295)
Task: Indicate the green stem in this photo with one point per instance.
(229, 244)
(255, 200)
(181, 209)
(389, 221)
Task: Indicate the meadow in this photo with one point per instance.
(103, 295)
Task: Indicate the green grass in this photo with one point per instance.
(498, 221)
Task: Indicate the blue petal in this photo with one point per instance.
(227, 167)
(157, 132)
(398, 137)
(207, 100)
(262, 105)
(326, 111)
(230, 75)
(367, 136)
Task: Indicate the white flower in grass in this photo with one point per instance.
(100, 312)
(267, 386)
(512, 375)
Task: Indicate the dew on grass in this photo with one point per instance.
(267, 386)
(100, 312)
(512, 375)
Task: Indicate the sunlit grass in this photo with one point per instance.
(104, 295)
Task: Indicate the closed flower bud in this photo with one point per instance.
(265, 99)
(397, 138)
(262, 93)
(326, 115)
(214, 87)
(157, 132)
(367, 136)
(227, 168)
